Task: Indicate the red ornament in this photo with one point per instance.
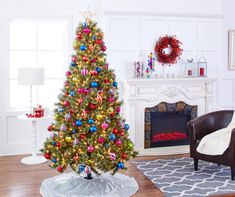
(174, 46)
(58, 144)
(49, 128)
(79, 36)
(92, 106)
(115, 131)
(103, 48)
(85, 59)
(121, 133)
(118, 109)
(93, 72)
(60, 169)
(86, 91)
(80, 90)
(93, 60)
(124, 155)
(47, 155)
(101, 140)
(80, 100)
(99, 41)
(86, 31)
(66, 103)
(82, 136)
(106, 80)
(68, 73)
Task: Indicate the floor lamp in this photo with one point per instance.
(31, 77)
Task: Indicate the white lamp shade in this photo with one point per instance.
(31, 76)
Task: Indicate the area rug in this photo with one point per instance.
(176, 177)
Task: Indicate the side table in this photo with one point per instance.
(34, 159)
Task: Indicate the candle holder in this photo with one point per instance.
(190, 68)
(202, 67)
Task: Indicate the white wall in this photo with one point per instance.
(130, 27)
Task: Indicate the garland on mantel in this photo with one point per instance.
(173, 44)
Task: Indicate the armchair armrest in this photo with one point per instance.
(231, 153)
(208, 123)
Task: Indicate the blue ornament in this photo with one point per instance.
(73, 64)
(115, 84)
(81, 168)
(94, 84)
(93, 129)
(94, 37)
(84, 24)
(90, 121)
(78, 123)
(98, 69)
(120, 165)
(126, 127)
(74, 131)
(53, 143)
(54, 160)
(83, 47)
(60, 110)
(107, 145)
(72, 93)
(112, 137)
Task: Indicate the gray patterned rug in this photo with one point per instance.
(176, 177)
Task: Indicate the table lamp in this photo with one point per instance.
(31, 77)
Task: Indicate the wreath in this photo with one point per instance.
(171, 44)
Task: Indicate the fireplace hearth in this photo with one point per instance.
(166, 124)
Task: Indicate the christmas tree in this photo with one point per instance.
(88, 132)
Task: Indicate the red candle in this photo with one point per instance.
(202, 72)
(189, 72)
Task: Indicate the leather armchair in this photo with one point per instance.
(206, 124)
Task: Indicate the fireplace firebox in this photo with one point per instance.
(166, 124)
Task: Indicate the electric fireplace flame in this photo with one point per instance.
(169, 136)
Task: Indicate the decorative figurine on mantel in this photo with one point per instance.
(202, 67)
(150, 66)
(139, 69)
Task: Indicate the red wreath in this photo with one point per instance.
(173, 44)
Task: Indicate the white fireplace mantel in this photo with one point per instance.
(142, 93)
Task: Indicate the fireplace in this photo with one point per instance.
(166, 124)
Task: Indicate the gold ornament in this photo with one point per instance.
(99, 116)
(68, 139)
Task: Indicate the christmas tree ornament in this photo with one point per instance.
(93, 129)
(110, 110)
(74, 58)
(90, 47)
(78, 123)
(84, 114)
(73, 64)
(60, 169)
(104, 126)
(115, 84)
(68, 139)
(118, 109)
(90, 149)
(49, 128)
(123, 155)
(118, 142)
(58, 144)
(71, 93)
(106, 80)
(101, 140)
(106, 66)
(66, 103)
(68, 73)
(74, 131)
(112, 137)
(81, 168)
(126, 127)
(53, 143)
(94, 37)
(47, 155)
(75, 141)
(84, 71)
(103, 48)
(112, 156)
(85, 59)
(79, 36)
(115, 131)
(82, 136)
(130, 145)
(99, 116)
(86, 31)
(120, 165)
(86, 91)
(67, 117)
(90, 121)
(94, 84)
(53, 135)
(63, 127)
(98, 69)
(83, 47)
(54, 160)
(60, 109)
(80, 100)
(99, 42)
(84, 24)
(80, 90)
(93, 72)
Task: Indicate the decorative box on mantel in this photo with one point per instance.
(158, 111)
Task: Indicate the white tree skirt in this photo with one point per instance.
(73, 185)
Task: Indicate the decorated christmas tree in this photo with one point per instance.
(88, 132)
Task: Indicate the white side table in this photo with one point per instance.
(34, 159)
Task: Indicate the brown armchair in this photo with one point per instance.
(206, 124)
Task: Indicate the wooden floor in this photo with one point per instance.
(18, 180)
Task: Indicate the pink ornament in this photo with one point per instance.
(74, 58)
(86, 91)
(86, 31)
(106, 66)
(66, 103)
(80, 100)
(80, 90)
(112, 156)
(111, 99)
(118, 142)
(75, 141)
(103, 48)
(93, 60)
(104, 126)
(74, 124)
(100, 140)
(68, 73)
(118, 109)
(84, 71)
(87, 169)
(90, 149)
